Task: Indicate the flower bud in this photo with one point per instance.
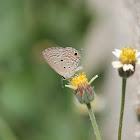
(82, 88)
(126, 74)
(85, 94)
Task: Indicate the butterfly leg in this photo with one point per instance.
(78, 68)
(63, 78)
(75, 74)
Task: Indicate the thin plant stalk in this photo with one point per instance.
(93, 121)
(122, 108)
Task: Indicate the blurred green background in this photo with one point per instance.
(33, 106)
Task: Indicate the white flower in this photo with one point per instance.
(128, 57)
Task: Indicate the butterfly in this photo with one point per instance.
(63, 60)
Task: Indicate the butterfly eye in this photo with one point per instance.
(75, 54)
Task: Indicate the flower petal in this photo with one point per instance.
(137, 54)
(127, 67)
(92, 79)
(131, 67)
(72, 87)
(117, 64)
(138, 60)
(117, 53)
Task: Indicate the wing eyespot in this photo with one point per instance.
(75, 54)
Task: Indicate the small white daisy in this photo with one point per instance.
(128, 57)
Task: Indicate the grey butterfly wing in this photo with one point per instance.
(74, 61)
(63, 60)
(70, 59)
(52, 57)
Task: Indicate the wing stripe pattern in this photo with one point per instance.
(62, 60)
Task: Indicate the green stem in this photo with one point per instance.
(93, 121)
(122, 108)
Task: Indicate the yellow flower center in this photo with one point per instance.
(79, 80)
(128, 55)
